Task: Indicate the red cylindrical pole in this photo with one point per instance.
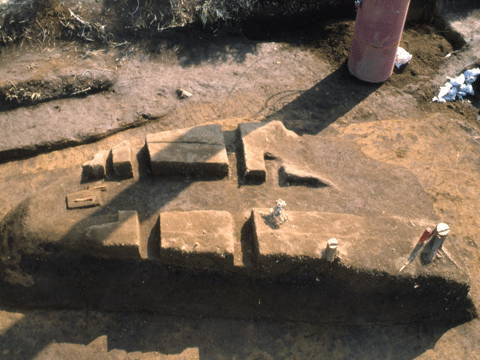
(378, 30)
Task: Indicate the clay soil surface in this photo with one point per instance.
(298, 76)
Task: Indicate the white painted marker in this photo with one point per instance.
(331, 249)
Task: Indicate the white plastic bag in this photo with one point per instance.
(458, 87)
(467, 89)
(402, 58)
(471, 75)
(444, 90)
(459, 80)
(472, 72)
(451, 94)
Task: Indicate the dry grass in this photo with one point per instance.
(44, 21)
(74, 26)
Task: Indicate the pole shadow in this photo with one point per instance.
(313, 110)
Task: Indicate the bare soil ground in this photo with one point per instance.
(298, 77)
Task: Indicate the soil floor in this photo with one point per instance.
(298, 77)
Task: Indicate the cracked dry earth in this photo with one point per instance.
(234, 80)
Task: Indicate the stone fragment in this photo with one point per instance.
(95, 168)
(197, 151)
(83, 199)
(182, 94)
(124, 162)
(202, 239)
(120, 239)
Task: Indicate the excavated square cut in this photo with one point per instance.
(120, 239)
(367, 244)
(197, 238)
(124, 161)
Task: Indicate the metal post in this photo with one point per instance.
(442, 232)
(331, 249)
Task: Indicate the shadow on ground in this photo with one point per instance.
(157, 26)
(202, 47)
(320, 106)
(34, 335)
